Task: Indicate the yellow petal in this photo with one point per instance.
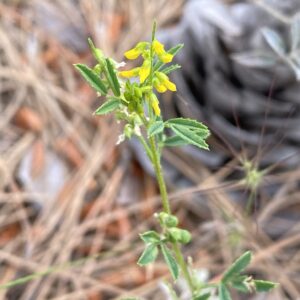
(166, 57)
(130, 73)
(170, 85)
(133, 53)
(156, 108)
(158, 47)
(144, 71)
(160, 87)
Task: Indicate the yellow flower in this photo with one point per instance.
(170, 85)
(159, 49)
(145, 70)
(129, 73)
(155, 104)
(159, 86)
(162, 83)
(166, 58)
(136, 51)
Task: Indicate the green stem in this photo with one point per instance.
(146, 147)
(183, 266)
(159, 176)
(167, 209)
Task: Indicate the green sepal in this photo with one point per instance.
(170, 261)
(92, 78)
(189, 130)
(237, 267)
(149, 255)
(110, 105)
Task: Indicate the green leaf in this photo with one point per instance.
(108, 106)
(264, 286)
(113, 80)
(189, 130)
(170, 69)
(150, 237)
(275, 41)
(98, 54)
(170, 261)
(202, 297)
(155, 128)
(175, 141)
(237, 267)
(149, 255)
(92, 78)
(223, 292)
(240, 286)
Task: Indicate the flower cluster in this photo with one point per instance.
(151, 53)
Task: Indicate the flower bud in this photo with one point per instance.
(168, 220)
(179, 235)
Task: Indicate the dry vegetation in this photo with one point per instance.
(68, 193)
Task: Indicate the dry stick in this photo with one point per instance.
(74, 208)
(273, 12)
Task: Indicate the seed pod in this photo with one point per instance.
(179, 235)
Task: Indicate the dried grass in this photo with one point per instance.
(103, 197)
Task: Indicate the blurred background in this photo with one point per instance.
(74, 202)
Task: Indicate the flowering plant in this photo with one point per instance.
(130, 94)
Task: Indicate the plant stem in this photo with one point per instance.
(167, 209)
(159, 176)
(183, 266)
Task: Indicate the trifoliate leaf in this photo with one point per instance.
(237, 267)
(189, 130)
